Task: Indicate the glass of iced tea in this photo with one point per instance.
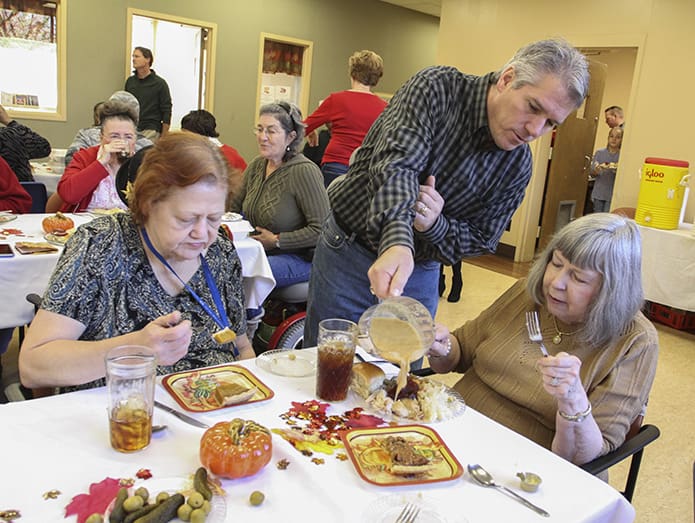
(130, 379)
(336, 351)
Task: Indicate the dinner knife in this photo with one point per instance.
(181, 415)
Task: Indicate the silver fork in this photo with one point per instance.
(533, 326)
(409, 514)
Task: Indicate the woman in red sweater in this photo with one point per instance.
(349, 114)
(13, 197)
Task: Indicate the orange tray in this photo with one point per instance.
(194, 389)
(372, 462)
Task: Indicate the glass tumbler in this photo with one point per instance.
(130, 379)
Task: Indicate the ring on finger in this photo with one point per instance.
(554, 381)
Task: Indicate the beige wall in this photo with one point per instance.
(405, 39)
(480, 35)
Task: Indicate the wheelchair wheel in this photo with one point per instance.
(289, 334)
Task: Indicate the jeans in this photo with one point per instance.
(331, 171)
(289, 269)
(339, 286)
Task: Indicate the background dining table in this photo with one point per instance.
(61, 443)
(668, 266)
(47, 174)
(29, 273)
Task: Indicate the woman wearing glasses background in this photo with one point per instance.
(282, 194)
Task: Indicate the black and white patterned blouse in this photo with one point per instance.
(104, 280)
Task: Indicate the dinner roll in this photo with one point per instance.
(366, 378)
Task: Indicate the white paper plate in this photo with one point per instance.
(387, 509)
(292, 363)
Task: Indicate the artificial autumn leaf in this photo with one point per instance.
(99, 497)
(356, 419)
(144, 474)
(308, 409)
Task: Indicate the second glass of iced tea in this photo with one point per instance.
(130, 379)
(336, 351)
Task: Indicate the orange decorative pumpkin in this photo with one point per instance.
(58, 223)
(236, 449)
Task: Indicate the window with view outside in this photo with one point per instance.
(29, 56)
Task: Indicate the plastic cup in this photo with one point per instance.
(336, 352)
(130, 379)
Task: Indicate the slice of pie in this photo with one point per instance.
(227, 393)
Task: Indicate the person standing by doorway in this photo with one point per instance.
(614, 116)
(603, 167)
(153, 94)
(349, 114)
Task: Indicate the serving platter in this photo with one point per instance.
(4, 218)
(365, 447)
(195, 390)
(440, 403)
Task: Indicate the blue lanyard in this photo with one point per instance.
(220, 317)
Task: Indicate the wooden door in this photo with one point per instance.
(572, 150)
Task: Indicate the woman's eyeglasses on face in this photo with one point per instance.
(270, 132)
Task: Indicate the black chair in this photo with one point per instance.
(39, 196)
(633, 448)
(638, 437)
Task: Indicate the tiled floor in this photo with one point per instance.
(664, 490)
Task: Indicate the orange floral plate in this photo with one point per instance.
(194, 390)
(372, 461)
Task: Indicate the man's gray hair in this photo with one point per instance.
(553, 56)
(609, 244)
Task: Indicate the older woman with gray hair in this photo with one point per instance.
(283, 195)
(581, 399)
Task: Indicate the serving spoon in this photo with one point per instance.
(483, 477)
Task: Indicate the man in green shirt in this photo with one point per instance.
(153, 94)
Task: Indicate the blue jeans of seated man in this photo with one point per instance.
(331, 170)
(289, 269)
(339, 286)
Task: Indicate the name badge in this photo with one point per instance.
(224, 336)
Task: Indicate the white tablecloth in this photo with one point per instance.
(24, 274)
(668, 266)
(47, 175)
(62, 443)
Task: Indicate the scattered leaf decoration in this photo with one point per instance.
(10, 514)
(99, 497)
(312, 429)
(51, 494)
(11, 232)
(144, 474)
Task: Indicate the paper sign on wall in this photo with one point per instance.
(283, 92)
(267, 94)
